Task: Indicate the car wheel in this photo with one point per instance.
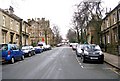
(78, 55)
(29, 54)
(83, 60)
(34, 53)
(12, 60)
(101, 62)
(22, 57)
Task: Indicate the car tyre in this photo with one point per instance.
(78, 55)
(34, 53)
(22, 57)
(83, 60)
(101, 62)
(29, 54)
(12, 60)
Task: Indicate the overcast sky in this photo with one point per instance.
(59, 12)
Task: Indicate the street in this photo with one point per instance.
(58, 63)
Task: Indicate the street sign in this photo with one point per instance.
(42, 39)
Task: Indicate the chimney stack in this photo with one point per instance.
(11, 10)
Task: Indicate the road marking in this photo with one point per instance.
(59, 69)
(82, 66)
(114, 70)
(79, 63)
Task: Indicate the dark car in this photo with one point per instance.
(92, 53)
(38, 49)
(11, 52)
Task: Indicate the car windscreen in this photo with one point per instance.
(95, 48)
(86, 47)
(3, 47)
(25, 48)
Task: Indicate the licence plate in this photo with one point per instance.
(93, 58)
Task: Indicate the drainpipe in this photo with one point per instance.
(20, 43)
(118, 30)
(25, 33)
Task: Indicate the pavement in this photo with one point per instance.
(113, 60)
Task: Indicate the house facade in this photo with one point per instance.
(40, 31)
(13, 29)
(25, 33)
(9, 27)
(93, 29)
(110, 31)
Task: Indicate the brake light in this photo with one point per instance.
(8, 52)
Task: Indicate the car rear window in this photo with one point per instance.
(40, 44)
(3, 47)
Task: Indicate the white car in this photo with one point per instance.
(48, 47)
(42, 45)
(74, 45)
(28, 50)
(79, 51)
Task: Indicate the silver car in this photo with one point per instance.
(79, 51)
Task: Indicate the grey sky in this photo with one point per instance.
(59, 12)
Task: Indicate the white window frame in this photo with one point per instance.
(119, 14)
(27, 29)
(108, 38)
(4, 20)
(17, 27)
(114, 18)
(3, 37)
(107, 23)
(116, 38)
(11, 23)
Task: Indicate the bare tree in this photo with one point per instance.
(71, 35)
(57, 36)
(86, 11)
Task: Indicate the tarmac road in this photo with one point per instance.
(58, 63)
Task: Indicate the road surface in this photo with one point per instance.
(58, 63)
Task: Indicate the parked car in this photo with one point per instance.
(92, 53)
(79, 48)
(74, 46)
(58, 45)
(70, 44)
(48, 47)
(11, 53)
(28, 50)
(42, 45)
(38, 49)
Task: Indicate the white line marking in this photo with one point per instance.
(82, 67)
(79, 63)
